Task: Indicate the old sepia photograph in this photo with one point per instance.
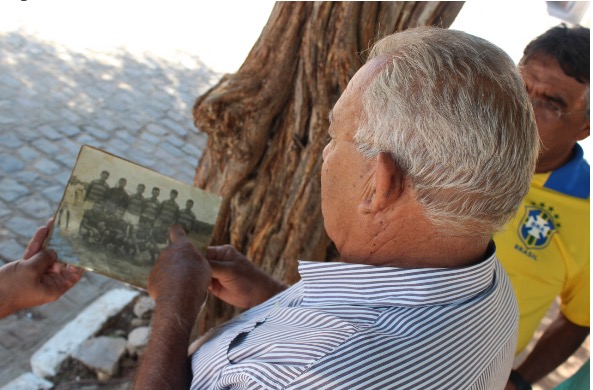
(114, 216)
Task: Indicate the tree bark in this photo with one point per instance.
(267, 127)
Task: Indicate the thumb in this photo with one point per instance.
(176, 233)
(41, 261)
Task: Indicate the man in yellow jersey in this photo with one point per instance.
(545, 249)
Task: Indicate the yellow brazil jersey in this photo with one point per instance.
(545, 249)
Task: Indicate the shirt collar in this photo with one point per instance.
(337, 283)
(572, 178)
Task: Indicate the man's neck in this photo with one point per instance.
(448, 253)
(423, 247)
(551, 164)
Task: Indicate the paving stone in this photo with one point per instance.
(154, 113)
(67, 160)
(168, 171)
(12, 190)
(11, 250)
(120, 149)
(47, 166)
(105, 124)
(23, 225)
(71, 147)
(11, 164)
(4, 211)
(145, 147)
(10, 336)
(9, 81)
(70, 116)
(192, 150)
(25, 331)
(27, 133)
(45, 146)
(163, 155)
(36, 205)
(48, 115)
(201, 141)
(125, 136)
(7, 120)
(174, 126)
(42, 183)
(69, 130)
(50, 133)
(26, 177)
(156, 129)
(63, 177)
(28, 153)
(54, 194)
(5, 355)
(88, 289)
(95, 132)
(175, 141)
(86, 139)
(29, 104)
(145, 161)
(10, 141)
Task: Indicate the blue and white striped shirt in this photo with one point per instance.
(353, 326)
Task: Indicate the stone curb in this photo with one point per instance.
(28, 381)
(46, 361)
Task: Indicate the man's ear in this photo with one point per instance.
(388, 185)
(585, 130)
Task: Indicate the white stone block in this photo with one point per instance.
(46, 361)
(101, 354)
(28, 381)
(144, 307)
(138, 340)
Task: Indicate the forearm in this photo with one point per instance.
(164, 365)
(560, 340)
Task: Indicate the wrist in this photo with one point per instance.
(266, 289)
(9, 301)
(520, 383)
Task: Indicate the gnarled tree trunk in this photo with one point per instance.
(267, 127)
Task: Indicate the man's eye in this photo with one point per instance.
(550, 105)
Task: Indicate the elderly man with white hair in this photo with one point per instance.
(433, 146)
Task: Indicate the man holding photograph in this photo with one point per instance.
(415, 180)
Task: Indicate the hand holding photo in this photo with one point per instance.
(105, 223)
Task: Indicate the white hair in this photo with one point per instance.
(452, 110)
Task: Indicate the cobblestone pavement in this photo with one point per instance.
(52, 101)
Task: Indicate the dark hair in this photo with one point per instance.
(569, 46)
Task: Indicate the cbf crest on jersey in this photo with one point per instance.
(537, 226)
